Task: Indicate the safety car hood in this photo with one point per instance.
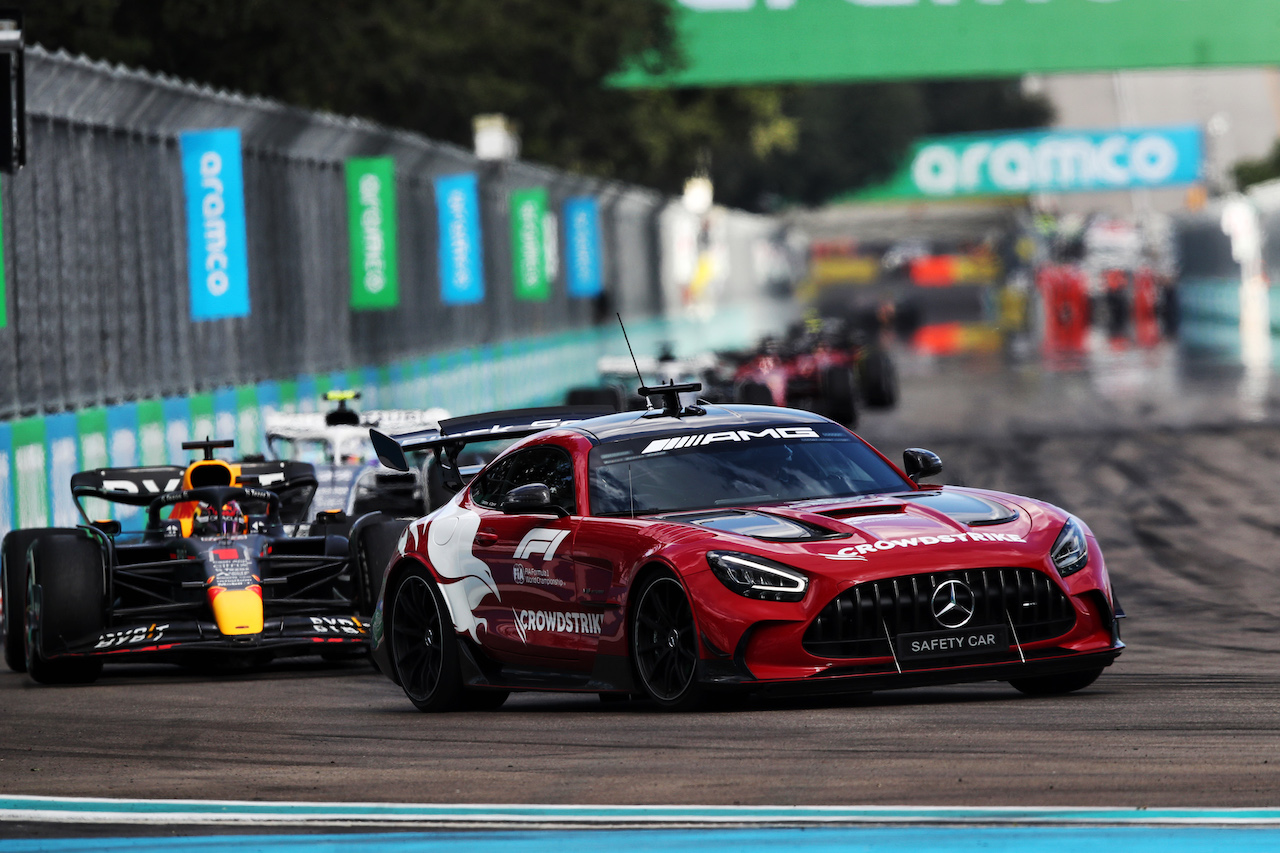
(946, 516)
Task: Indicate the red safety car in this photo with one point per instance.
(683, 551)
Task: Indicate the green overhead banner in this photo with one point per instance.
(730, 42)
(528, 249)
(371, 206)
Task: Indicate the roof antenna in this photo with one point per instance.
(647, 403)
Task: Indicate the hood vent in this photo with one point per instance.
(874, 509)
(758, 525)
(964, 508)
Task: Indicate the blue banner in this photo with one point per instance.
(217, 246)
(62, 455)
(582, 243)
(461, 252)
(177, 425)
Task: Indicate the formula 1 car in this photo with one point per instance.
(686, 550)
(215, 577)
(336, 442)
(825, 370)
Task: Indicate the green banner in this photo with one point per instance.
(529, 268)
(729, 42)
(371, 206)
(30, 474)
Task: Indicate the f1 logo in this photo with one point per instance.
(542, 541)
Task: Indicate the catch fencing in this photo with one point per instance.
(102, 363)
(96, 254)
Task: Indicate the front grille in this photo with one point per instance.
(853, 624)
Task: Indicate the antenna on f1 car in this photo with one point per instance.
(647, 404)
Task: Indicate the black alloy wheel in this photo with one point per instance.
(423, 649)
(664, 644)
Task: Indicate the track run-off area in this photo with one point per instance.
(1176, 747)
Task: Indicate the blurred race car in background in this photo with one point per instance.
(822, 367)
(336, 443)
(686, 551)
(226, 571)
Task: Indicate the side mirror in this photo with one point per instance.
(920, 463)
(111, 527)
(530, 499)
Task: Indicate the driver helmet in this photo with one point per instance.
(226, 521)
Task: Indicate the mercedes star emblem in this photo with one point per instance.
(952, 604)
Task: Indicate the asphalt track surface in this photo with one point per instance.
(1176, 475)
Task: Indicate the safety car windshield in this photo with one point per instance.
(740, 467)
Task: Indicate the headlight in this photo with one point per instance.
(1070, 553)
(756, 577)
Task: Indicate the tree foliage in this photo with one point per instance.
(431, 65)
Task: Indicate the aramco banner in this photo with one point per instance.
(461, 252)
(1046, 162)
(730, 42)
(528, 247)
(217, 247)
(371, 210)
(582, 246)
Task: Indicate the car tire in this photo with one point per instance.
(67, 568)
(753, 394)
(604, 395)
(423, 646)
(375, 546)
(840, 395)
(1056, 685)
(664, 644)
(13, 586)
(879, 380)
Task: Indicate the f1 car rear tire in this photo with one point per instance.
(66, 568)
(879, 380)
(1056, 685)
(424, 650)
(840, 395)
(753, 394)
(13, 586)
(375, 545)
(664, 644)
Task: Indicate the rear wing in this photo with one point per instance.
(456, 433)
(294, 482)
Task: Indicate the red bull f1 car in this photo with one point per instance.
(225, 571)
(688, 550)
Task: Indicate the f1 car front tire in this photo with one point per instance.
(13, 586)
(424, 650)
(66, 569)
(1056, 685)
(664, 644)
